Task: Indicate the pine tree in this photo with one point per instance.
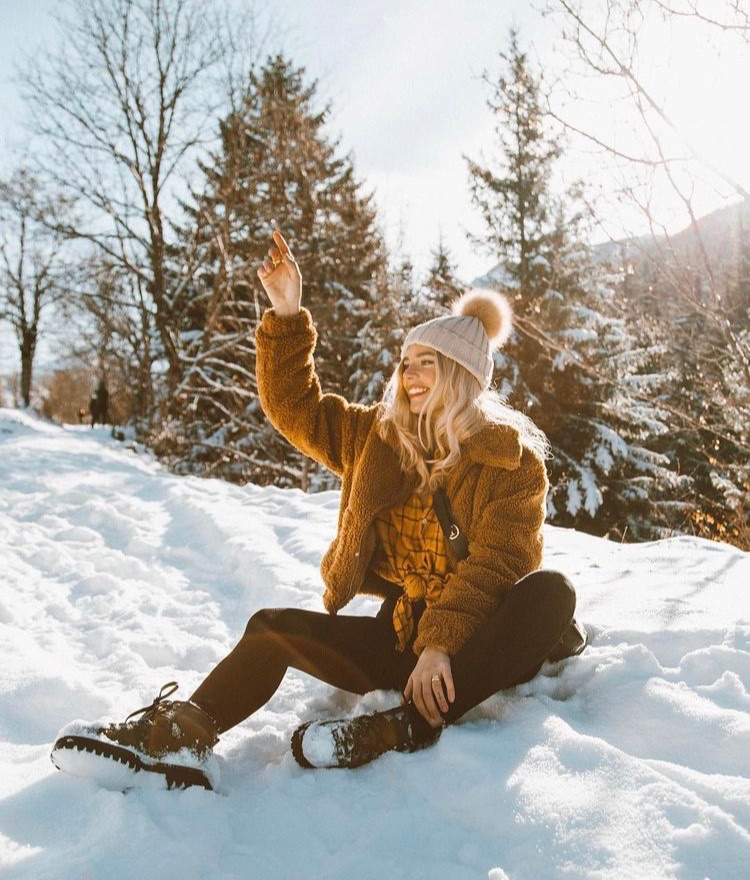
(442, 285)
(398, 304)
(514, 198)
(401, 303)
(298, 181)
(276, 169)
(696, 378)
(378, 343)
(561, 366)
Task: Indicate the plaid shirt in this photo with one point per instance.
(414, 556)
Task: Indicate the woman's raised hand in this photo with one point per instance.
(281, 279)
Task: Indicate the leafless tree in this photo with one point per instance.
(731, 15)
(115, 333)
(607, 47)
(31, 262)
(121, 110)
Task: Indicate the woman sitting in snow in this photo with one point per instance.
(466, 611)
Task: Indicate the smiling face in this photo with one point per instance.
(418, 375)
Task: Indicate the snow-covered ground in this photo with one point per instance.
(630, 761)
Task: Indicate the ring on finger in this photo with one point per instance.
(435, 678)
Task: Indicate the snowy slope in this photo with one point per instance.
(630, 761)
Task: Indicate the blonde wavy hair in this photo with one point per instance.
(455, 409)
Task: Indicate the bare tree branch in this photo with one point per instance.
(124, 108)
(622, 67)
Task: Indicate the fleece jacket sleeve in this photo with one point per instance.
(322, 426)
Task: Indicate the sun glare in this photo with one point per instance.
(704, 95)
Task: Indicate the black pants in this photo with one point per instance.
(359, 654)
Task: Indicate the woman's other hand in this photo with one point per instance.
(281, 279)
(430, 686)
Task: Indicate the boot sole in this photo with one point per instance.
(338, 763)
(174, 776)
(297, 752)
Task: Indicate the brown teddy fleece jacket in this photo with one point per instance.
(497, 491)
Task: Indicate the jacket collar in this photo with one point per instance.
(495, 445)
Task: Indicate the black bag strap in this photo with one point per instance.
(453, 534)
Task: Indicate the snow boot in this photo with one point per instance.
(571, 644)
(169, 745)
(357, 741)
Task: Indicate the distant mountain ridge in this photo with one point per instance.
(721, 233)
(717, 241)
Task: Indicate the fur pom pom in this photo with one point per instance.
(492, 309)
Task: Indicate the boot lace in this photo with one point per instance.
(166, 691)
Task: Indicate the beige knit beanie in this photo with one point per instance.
(481, 322)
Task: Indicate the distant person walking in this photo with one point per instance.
(99, 405)
(442, 506)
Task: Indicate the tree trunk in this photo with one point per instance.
(28, 349)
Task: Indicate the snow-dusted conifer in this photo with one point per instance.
(442, 285)
(276, 169)
(560, 366)
(688, 293)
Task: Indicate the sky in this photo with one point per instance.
(404, 78)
